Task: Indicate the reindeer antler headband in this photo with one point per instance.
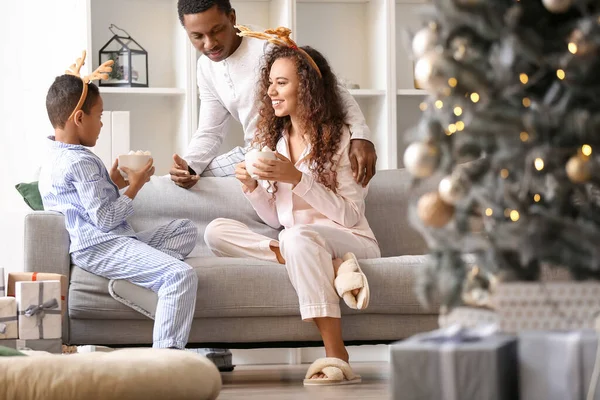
(100, 73)
(280, 37)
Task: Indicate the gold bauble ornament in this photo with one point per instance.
(578, 169)
(433, 211)
(421, 159)
(557, 6)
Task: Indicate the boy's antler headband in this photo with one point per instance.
(280, 37)
(100, 73)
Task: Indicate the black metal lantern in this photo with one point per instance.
(130, 68)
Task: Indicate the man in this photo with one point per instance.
(227, 78)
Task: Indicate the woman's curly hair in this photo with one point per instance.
(319, 107)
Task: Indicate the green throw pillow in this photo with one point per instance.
(8, 352)
(31, 195)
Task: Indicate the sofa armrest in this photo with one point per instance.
(46, 243)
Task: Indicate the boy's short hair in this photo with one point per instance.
(185, 7)
(63, 96)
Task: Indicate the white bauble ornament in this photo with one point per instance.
(421, 159)
(423, 41)
(557, 6)
(453, 188)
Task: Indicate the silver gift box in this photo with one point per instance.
(460, 367)
(557, 365)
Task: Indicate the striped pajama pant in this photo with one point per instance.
(153, 261)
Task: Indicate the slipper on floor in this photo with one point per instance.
(350, 277)
(337, 372)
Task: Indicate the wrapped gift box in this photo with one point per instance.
(8, 318)
(459, 366)
(38, 306)
(557, 365)
(50, 345)
(14, 277)
(2, 284)
(526, 306)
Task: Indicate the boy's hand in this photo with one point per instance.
(180, 174)
(116, 176)
(242, 175)
(137, 179)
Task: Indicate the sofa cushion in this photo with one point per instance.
(229, 287)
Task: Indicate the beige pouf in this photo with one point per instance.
(123, 374)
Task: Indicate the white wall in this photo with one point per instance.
(39, 40)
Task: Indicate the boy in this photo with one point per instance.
(74, 182)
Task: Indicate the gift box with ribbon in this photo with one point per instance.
(455, 364)
(2, 285)
(14, 277)
(50, 345)
(8, 318)
(38, 306)
(556, 365)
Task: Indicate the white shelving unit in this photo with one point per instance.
(362, 39)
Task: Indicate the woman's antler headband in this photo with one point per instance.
(100, 73)
(280, 37)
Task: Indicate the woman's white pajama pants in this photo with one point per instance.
(308, 251)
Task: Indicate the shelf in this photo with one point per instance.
(366, 92)
(412, 92)
(147, 91)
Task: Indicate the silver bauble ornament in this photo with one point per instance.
(557, 6)
(424, 69)
(421, 159)
(423, 41)
(453, 188)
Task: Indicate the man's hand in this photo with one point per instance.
(180, 174)
(116, 176)
(280, 170)
(363, 159)
(242, 175)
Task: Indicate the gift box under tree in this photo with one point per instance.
(8, 318)
(459, 366)
(39, 309)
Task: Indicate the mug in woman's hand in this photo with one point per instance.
(253, 156)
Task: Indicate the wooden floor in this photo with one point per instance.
(281, 382)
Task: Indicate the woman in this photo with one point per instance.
(310, 190)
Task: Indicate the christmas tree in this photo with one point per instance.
(511, 130)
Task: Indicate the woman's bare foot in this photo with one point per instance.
(277, 252)
(336, 265)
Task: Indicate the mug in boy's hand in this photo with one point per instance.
(135, 161)
(254, 155)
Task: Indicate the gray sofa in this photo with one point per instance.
(241, 303)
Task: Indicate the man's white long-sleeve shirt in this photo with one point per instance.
(228, 89)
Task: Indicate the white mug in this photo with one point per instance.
(253, 156)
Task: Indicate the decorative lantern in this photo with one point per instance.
(130, 68)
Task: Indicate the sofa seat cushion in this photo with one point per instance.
(229, 287)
